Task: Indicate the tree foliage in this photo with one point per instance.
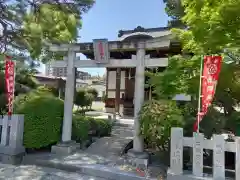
(93, 91)
(213, 25)
(29, 25)
(83, 98)
(212, 28)
(175, 11)
(24, 80)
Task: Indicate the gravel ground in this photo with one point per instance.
(11, 172)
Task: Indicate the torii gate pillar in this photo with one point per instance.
(138, 143)
(67, 146)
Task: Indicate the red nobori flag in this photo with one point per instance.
(9, 83)
(210, 75)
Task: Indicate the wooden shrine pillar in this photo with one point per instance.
(117, 92)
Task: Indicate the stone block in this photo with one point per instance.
(219, 157)
(10, 155)
(12, 151)
(187, 175)
(65, 148)
(198, 154)
(138, 159)
(176, 155)
(11, 159)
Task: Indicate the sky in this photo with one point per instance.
(107, 17)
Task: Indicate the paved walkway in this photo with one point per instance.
(9, 172)
(102, 159)
(111, 147)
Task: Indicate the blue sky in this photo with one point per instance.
(107, 17)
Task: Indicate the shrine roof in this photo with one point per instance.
(151, 32)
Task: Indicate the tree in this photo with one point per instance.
(93, 91)
(175, 11)
(80, 98)
(89, 99)
(212, 26)
(83, 99)
(48, 21)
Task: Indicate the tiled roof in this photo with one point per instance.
(152, 32)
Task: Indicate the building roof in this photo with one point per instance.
(77, 80)
(55, 77)
(151, 32)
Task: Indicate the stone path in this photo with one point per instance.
(28, 172)
(111, 147)
(102, 159)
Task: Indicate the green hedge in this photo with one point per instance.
(43, 114)
(83, 127)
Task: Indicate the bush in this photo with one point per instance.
(101, 127)
(156, 120)
(80, 128)
(43, 114)
(84, 126)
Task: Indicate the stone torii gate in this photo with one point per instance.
(102, 50)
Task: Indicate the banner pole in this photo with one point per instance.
(200, 94)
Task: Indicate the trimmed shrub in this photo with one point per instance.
(105, 127)
(83, 127)
(80, 128)
(43, 114)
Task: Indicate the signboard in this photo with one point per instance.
(101, 52)
(9, 83)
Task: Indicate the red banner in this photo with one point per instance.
(210, 75)
(9, 83)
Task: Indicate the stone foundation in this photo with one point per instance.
(11, 159)
(187, 175)
(9, 155)
(65, 148)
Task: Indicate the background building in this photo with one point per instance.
(62, 72)
(83, 75)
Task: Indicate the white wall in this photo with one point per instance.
(112, 84)
(111, 94)
(112, 80)
(122, 80)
